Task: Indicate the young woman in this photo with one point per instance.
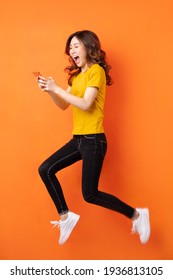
(88, 75)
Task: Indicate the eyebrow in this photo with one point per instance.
(75, 44)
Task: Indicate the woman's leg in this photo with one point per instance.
(93, 150)
(64, 157)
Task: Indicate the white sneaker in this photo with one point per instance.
(142, 225)
(66, 226)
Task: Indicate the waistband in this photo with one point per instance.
(88, 135)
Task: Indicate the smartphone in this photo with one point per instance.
(37, 74)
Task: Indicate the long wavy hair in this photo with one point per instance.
(94, 54)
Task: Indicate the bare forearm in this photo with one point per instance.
(81, 103)
(63, 98)
(61, 103)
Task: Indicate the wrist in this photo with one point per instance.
(57, 90)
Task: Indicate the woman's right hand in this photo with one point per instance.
(42, 83)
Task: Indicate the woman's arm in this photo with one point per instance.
(83, 103)
(60, 102)
(58, 94)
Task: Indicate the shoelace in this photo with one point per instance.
(56, 223)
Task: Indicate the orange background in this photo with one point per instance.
(137, 36)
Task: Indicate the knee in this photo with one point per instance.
(43, 169)
(89, 197)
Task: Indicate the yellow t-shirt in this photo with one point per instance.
(91, 121)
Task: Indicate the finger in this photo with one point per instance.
(50, 79)
(42, 88)
(41, 78)
(42, 83)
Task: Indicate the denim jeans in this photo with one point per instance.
(91, 149)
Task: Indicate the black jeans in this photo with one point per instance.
(91, 149)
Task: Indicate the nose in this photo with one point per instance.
(72, 51)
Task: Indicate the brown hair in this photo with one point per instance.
(94, 54)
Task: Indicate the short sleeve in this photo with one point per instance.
(96, 76)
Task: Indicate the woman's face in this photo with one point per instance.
(78, 53)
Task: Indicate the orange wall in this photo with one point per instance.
(137, 36)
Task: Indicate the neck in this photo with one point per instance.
(85, 67)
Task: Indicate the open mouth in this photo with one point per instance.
(76, 59)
